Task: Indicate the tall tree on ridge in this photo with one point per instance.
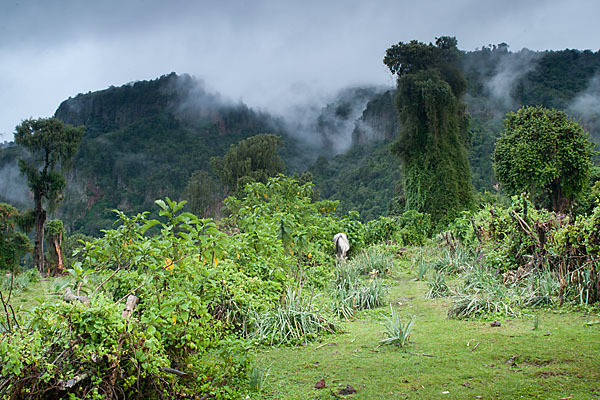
(51, 145)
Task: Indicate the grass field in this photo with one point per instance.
(30, 296)
(446, 359)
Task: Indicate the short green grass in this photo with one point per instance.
(35, 291)
(446, 359)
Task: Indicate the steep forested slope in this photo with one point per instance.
(144, 140)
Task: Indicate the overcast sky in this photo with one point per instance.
(267, 53)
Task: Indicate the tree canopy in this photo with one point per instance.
(202, 194)
(544, 153)
(252, 160)
(51, 145)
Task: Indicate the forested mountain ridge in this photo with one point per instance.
(144, 140)
(498, 81)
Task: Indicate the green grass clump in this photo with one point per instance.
(374, 261)
(437, 285)
(484, 293)
(350, 293)
(294, 321)
(396, 332)
(453, 261)
(257, 377)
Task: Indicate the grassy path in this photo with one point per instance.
(446, 359)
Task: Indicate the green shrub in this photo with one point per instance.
(373, 261)
(410, 228)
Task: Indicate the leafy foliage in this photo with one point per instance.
(366, 178)
(202, 194)
(252, 160)
(544, 153)
(13, 244)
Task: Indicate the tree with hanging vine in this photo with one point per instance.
(433, 139)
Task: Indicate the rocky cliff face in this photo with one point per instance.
(117, 107)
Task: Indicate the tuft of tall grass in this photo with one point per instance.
(542, 289)
(374, 261)
(350, 293)
(419, 264)
(422, 269)
(453, 261)
(396, 332)
(293, 321)
(20, 281)
(437, 285)
(480, 303)
(484, 292)
(258, 377)
(358, 296)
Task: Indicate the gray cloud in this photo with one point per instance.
(587, 103)
(13, 186)
(270, 54)
(509, 70)
(586, 107)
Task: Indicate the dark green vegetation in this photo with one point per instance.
(144, 141)
(266, 275)
(252, 160)
(206, 293)
(13, 243)
(544, 153)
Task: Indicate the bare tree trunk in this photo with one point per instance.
(38, 248)
(57, 242)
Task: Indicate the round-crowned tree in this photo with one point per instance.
(544, 153)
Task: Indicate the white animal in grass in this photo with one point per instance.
(341, 245)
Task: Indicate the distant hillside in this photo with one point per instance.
(144, 140)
